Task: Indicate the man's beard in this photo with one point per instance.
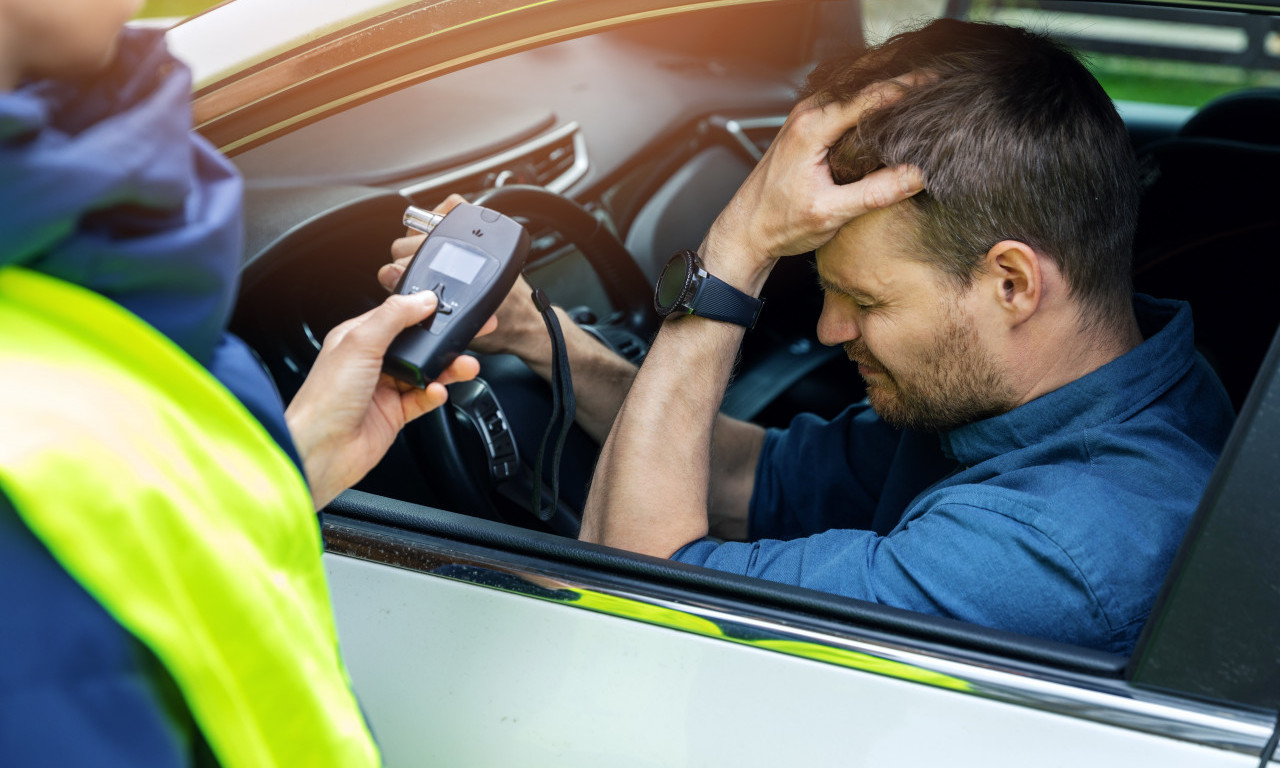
(955, 383)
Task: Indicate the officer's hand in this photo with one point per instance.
(789, 204)
(347, 413)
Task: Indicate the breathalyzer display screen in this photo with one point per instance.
(457, 262)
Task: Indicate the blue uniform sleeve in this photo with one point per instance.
(970, 563)
(817, 474)
(235, 365)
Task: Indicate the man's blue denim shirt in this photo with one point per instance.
(1058, 519)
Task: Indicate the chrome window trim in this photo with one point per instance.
(1111, 703)
(495, 163)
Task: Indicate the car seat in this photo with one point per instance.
(1209, 225)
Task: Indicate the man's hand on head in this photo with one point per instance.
(789, 204)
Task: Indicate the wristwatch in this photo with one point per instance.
(685, 286)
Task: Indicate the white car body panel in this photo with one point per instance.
(457, 674)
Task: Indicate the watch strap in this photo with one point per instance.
(717, 300)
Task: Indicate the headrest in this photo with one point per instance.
(1251, 115)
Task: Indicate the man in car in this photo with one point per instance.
(1034, 439)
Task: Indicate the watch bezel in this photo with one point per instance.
(688, 288)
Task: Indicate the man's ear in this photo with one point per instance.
(1015, 279)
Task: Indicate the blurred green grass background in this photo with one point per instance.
(152, 8)
(1184, 83)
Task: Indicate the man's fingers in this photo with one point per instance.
(389, 276)
(830, 121)
(878, 189)
(402, 249)
(489, 326)
(449, 203)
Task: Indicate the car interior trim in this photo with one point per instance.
(571, 176)
(739, 129)
(1108, 702)
(221, 108)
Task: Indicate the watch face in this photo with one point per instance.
(671, 284)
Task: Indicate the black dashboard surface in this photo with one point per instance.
(624, 94)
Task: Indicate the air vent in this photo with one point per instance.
(752, 134)
(619, 339)
(555, 160)
(633, 350)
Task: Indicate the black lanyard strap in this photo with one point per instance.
(563, 407)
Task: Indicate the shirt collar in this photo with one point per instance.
(1117, 389)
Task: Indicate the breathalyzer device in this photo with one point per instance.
(470, 260)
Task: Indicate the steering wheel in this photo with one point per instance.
(478, 450)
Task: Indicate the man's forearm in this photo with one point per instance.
(602, 379)
(656, 485)
(650, 490)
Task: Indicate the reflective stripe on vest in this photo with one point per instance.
(161, 495)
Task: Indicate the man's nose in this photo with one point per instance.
(837, 324)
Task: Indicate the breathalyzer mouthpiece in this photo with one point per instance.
(422, 220)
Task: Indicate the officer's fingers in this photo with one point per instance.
(878, 189)
(463, 368)
(414, 402)
(335, 336)
(377, 328)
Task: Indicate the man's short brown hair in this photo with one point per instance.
(1017, 141)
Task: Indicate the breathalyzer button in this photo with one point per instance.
(488, 215)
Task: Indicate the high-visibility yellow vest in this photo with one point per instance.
(161, 495)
